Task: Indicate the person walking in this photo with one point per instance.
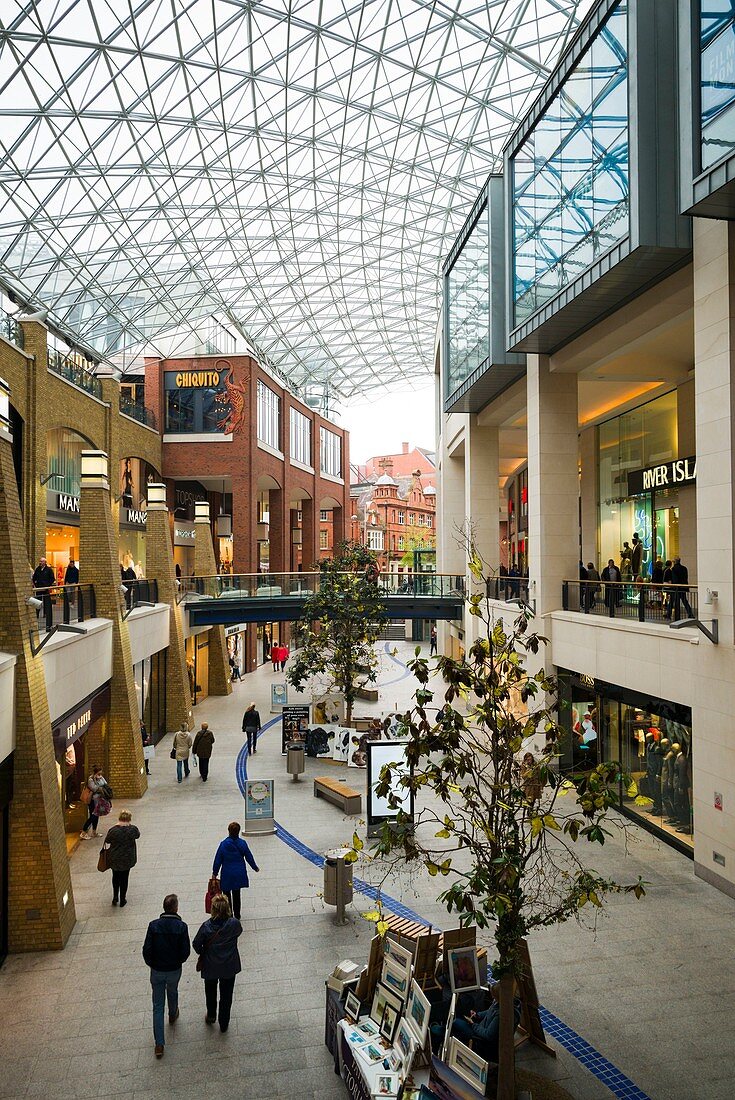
(219, 959)
(432, 642)
(202, 748)
(97, 785)
(71, 576)
(266, 643)
(122, 855)
(680, 580)
(275, 658)
(594, 588)
(43, 575)
(165, 950)
(146, 741)
(182, 749)
(251, 726)
(231, 857)
(283, 656)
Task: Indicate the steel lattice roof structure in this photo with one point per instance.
(295, 169)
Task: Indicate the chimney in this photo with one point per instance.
(405, 448)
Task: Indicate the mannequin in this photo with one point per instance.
(668, 783)
(654, 765)
(683, 791)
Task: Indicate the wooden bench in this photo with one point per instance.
(339, 793)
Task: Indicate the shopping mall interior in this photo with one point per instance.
(367, 389)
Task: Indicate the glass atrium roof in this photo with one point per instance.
(295, 169)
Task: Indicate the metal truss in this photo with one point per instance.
(294, 168)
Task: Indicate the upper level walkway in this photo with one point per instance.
(280, 597)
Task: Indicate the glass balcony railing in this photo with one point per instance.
(136, 410)
(11, 330)
(73, 371)
(641, 602)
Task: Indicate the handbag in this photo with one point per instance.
(86, 796)
(172, 754)
(213, 888)
(102, 806)
(103, 863)
(207, 945)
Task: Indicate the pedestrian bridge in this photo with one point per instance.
(279, 597)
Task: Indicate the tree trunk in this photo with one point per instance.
(506, 1047)
(349, 705)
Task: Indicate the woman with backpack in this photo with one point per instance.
(219, 959)
(99, 802)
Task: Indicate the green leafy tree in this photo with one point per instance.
(504, 833)
(340, 624)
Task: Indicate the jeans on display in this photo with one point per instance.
(226, 990)
(204, 767)
(165, 984)
(120, 884)
(179, 765)
(234, 898)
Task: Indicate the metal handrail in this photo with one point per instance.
(643, 601)
(275, 585)
(11, 330)
(66, 603)
(140, 591)
(138, 411)
(74, 372)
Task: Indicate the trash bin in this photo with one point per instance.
(295, 759)
(337, 879)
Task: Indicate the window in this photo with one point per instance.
(393, 515)
(411, 519)
(429, 520)
(323, 539)
(331, 453)
(717, 45)
(401, 517)
(375, 540)
(401, 543)
(325, 515)
(194, 408)
(300, 437)
(570, 177)
(269, 417)
(468, 306)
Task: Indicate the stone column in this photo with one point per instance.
(41, 912)
(160, 566)
(279, 533)
(204, 566)
(451, 557)
(309, 534)
(686, 432)
(98, 551)
(553, 482)
(35, 341)
(589, 491)
(481, 465)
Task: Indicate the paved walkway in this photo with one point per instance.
(651, 988)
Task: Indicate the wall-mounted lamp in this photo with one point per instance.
(157, 497)
(94, 470)
(201, 511)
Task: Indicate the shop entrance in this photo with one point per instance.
(197, 665)
(80, 742)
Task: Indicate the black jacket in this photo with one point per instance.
(43, 577)
(251, 720)
(679, 574)
(221, 956)
(166, 944)
(123, 853)
(203, 742)
(71, 576)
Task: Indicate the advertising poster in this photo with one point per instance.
(279, 695)
(380, 753)
(258, 798)
(295, 724)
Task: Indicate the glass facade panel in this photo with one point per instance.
(570, 176)
(193, 409)
(717, 78)
(331, 453)
(640, 438)
(300, 437)
(269, 416)
(468, 306)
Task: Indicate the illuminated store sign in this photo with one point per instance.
(198, 379)
(67, 503)
(135, 517)
(668, 475)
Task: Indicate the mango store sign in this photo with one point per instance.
(667, 475)
(65, 502)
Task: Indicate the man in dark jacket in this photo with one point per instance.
(680, 576)
(43, 575)
(165, 950)
(611, 577)
(251, 726)
(202, 748)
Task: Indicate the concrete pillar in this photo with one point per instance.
(553, 482)
(589, 491)
(687, 445)
(451, 556)
(98, 550)
(309, 534)
(35, 336)
(41, 912)
(481, 507)
(160, 567)
(279, 531)
(204, 566)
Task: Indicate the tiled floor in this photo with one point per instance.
(650, 989)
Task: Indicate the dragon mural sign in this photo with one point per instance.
(231, 399)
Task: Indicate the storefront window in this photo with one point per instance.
(633, 441)
(194, 401)
(64, 459)
(150, 693)
(467, 295)
(717, 45)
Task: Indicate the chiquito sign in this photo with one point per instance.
(683, 471)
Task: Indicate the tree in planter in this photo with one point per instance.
(340, 624)
(503, 828)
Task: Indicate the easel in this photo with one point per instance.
(530, 1027)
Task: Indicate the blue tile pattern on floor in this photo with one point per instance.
(599, 1066)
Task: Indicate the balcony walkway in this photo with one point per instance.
(280, 597)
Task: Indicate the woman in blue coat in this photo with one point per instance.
(232, 855)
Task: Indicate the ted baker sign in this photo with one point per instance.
(682, 471)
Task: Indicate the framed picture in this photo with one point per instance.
(405, 1044)
(397, 954)
(395, 1060)
(387, 1085)
(450, 1023)
(388, 1024)
(356, 1038)
(464, 969)
(381, 998)
(467, 1064)
(417, 1013)
(370, 1053)
(395, 978)
(352, 1007)
(368, 1028)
